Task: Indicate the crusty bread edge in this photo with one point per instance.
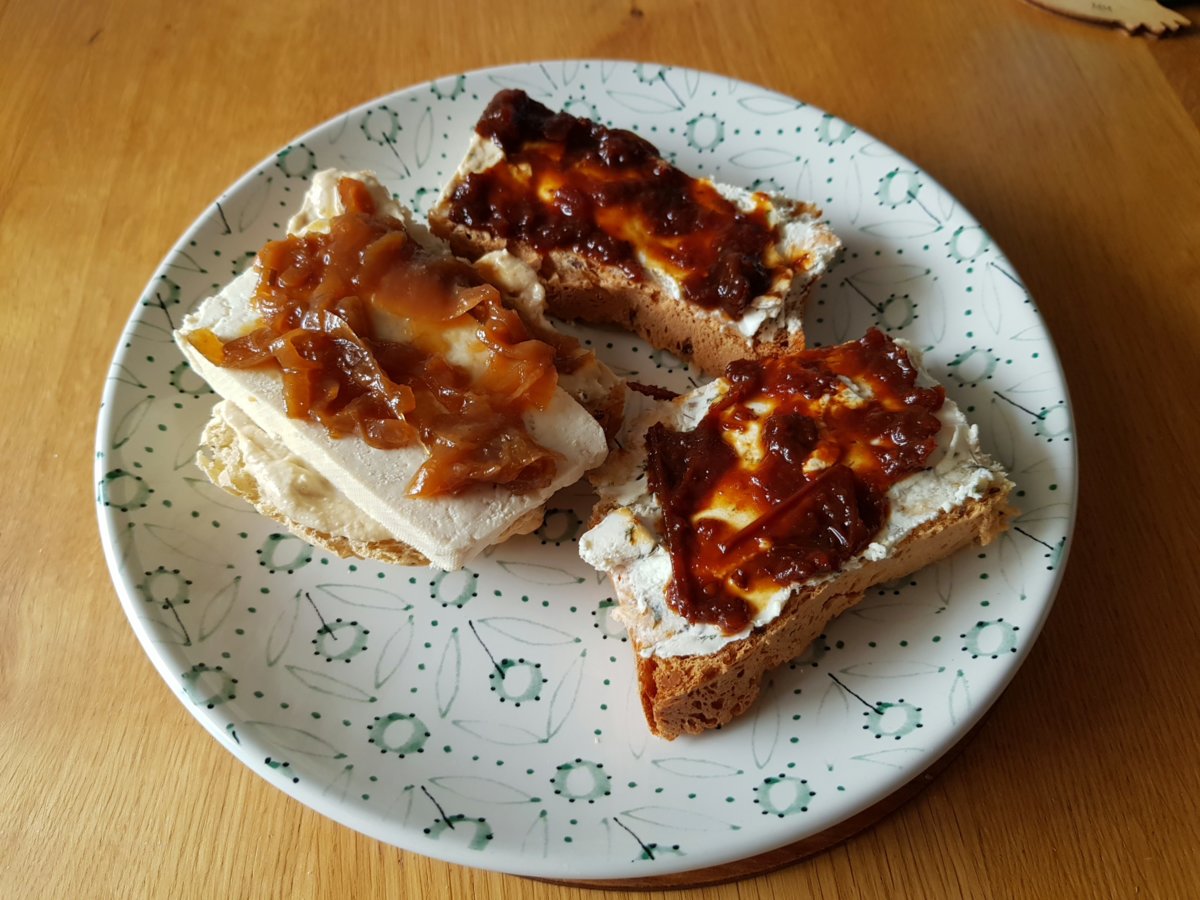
(691, 694)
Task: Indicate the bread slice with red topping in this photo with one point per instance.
(619, 236)
(739, 519)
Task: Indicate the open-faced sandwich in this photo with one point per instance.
(740, 518)
(708, 271)
(383, 398)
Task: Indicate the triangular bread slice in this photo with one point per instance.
(838, 524)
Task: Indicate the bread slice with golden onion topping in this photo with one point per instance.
(384, 399)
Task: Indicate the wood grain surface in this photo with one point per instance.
(1075, 145)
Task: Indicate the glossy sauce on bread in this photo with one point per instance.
(571, 184)
(786, 476)
(378, 338)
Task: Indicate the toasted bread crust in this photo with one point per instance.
(580, 289)
(692, 694)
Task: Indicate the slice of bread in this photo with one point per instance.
(696, 670)
(669, 266)
(691, 694)
(450, 528)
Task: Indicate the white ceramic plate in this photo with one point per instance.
(487, 717)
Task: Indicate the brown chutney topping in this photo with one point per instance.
(786, 476)
(361, 321)
(606, 194)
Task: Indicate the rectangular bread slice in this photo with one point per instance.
(341, 491)
(708, 271)
(740, 518)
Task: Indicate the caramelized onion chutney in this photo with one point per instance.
(361, 322)
(813, 493)
(606, 194)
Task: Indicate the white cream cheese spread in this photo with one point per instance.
(628, 541)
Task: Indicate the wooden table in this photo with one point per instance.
(1075, 145)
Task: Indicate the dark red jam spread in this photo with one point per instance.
(606, 194)
(361, 321)
(815, 492)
